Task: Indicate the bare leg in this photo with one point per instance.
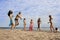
(12, 26)
(38, 27)
(16, 24)
(51, 28)
(24, 27)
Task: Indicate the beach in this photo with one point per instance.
(28, 35)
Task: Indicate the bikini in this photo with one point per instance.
(10, 22)
(16, 20)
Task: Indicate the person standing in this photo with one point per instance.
(31, 25)
(51, 24)
(39, 23)
(24, 24)
(10, 14)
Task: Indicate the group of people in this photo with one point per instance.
(19, 15)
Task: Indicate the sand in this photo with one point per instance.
(28, 35)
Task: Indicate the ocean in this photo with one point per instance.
(34, 28)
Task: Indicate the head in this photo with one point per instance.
(10, 12)
(50, 16)
(24, 19)
(56, 28)
(38, 18)
(19, 12)
(31, 20)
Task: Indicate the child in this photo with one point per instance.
(56, 30)
(10, 14)
(51, 25)
(24, 23)
(31, 25)
(38, 22)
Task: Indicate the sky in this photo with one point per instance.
(31, 9)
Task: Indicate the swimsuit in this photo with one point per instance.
(31, 27)
(11, 22)
(16, 22)
(38, 23)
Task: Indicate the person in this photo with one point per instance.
(16, 20)
(24, 23)
(38, 22)
(10, 14)
(31, 25)
(56, 29)
(19, 15)
(51, 24)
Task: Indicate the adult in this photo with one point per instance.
(10, 14)
(39, 23)
(51, 24)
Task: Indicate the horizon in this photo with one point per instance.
(31, 9)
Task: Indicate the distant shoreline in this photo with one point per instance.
(27, 28)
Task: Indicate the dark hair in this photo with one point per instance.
(39, 20)
(31, 20)
(24, 19)
(56, 28)
(49, 15)
(10, 12)
(19, 12)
